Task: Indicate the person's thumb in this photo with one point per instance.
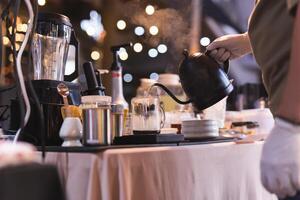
(215, 45)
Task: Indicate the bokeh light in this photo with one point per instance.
(95, 55)
(152, 53)
(24, 27)
(137, 47)
(162, 48)
(19, 37)
(205, 41)
(153, 30)
(150, 10)
(127, 78)
(90, 30)
(42, 2)
(5, 40)
(154, 76)
(121, 24)
(17, 47)
(139, 31)
(123, 55)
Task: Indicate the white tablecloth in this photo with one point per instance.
(223, 171)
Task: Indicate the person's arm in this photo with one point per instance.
(289, 107)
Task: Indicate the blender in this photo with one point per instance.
(53, 36)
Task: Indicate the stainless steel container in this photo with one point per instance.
(117, 119)
(96, 113)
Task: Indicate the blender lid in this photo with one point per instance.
(54, 18)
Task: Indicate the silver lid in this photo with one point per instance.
(105, 100)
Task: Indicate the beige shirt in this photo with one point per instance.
(270, 33)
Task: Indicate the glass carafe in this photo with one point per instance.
(146, 115)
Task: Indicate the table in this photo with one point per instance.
(218, 171)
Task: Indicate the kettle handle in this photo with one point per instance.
(171, 94)
(74, 42)
(225, 64)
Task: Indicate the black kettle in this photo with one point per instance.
(203, 79)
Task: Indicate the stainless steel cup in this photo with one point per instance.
(96, 113)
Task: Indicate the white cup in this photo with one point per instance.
(71, 131)
(217, 112)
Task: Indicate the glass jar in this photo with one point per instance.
(146, 115)
(144, 88)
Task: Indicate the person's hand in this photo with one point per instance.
(280, 162)
(230, 47)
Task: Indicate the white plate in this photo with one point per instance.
(198, 122)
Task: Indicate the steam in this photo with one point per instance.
(173, 29)
(172, 22)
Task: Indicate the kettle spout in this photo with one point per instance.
(171, 94)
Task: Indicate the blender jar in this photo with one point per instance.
(50, 46)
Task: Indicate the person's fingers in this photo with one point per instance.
(213, 53)
(273, 184)
(215, 45)
(285, 186)
(225, 56)
(278, 183)
(268, 178)
(220, 53)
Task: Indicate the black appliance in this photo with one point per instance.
(50, 45)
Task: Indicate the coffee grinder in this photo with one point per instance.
(50, 45)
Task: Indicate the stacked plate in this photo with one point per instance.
(197, 128)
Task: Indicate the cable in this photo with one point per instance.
(34, 96)
(12, 37)
(19, 68)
